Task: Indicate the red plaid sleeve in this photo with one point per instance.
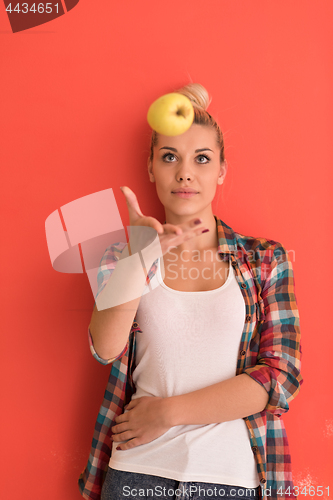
(106, 268)
(279, 357)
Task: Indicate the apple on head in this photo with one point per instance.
(172, 114)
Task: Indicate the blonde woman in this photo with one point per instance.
(204, 365)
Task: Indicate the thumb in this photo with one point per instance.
(132, 202)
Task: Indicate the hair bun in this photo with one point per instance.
(197, 94)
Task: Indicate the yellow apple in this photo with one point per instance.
(171, 114)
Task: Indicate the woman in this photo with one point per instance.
(194, 399)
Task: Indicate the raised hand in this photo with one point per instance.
(170, 235)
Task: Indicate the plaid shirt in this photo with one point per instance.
(269, 352)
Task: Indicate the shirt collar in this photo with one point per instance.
(227, 242)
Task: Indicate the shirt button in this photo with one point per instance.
(234, 263)
(242, 353)
(254, 449)
(263, 480)
(135, 324)
(243, 285)
(248, 318)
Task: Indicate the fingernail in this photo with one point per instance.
(205, 230)
(121, 189)
(118, 448)
(197, 221)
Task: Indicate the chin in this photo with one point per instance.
(184, 210)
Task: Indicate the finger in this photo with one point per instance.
(193, 223)
(181, 228)
(131, 404)
(172, 228)
(123, 436)
(155, 224)
(132, 202)
(116, 437)
(197, 232)
(193, 228)
(121, 426)
(123, 417)
(132, 443)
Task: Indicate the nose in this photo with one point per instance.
(184, 172)
(181, 178)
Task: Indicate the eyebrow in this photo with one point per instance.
(196, 151)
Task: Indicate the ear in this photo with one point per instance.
(223, 172)
(150, 171)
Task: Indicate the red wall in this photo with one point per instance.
(74, 98)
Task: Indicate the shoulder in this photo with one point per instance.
(254, 249)
(268, 260)
(259, 248)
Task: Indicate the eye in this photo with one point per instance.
(205, 157)
(166, 155)
(202, 158)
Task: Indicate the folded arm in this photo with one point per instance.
(234, 398)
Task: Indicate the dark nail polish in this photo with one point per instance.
(118, 448)
(205, 230)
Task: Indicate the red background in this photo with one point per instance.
(74, 98)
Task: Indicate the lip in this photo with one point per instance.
(183, 194)
(184, 190)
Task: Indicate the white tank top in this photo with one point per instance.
(190, 340)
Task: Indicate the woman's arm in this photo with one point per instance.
(230, 399)
(148, 418)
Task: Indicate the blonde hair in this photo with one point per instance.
(199, 97)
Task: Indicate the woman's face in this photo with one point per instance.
(189, 160)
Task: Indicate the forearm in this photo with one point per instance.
(230, 399)
(117, 304)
